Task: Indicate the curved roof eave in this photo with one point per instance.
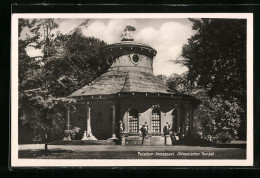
(113, 82)
(130, 44)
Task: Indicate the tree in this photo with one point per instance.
(37, 106)
(162, 77)
(68, 62)
(218, 118)
(77, 62)
(180, 83)
(216, 59)
(214, 116)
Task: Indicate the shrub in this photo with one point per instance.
(224, 137)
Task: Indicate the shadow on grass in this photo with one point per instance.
(230, 145)
(43, 153)
(191, 141)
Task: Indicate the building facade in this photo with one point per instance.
(116, 105)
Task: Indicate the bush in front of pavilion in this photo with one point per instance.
(195, 139)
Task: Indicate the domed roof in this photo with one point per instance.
(125, 81)
(113, 82)
(129, 81)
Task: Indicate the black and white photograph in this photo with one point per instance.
(132, 89)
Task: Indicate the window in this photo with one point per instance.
(133, 120)
(135, 59)
(156, 121)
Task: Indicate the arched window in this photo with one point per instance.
(133, 121)
(156, 121)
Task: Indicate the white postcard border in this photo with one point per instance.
(16, 162)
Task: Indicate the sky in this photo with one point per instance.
(166, 36)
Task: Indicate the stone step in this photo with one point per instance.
(133, 140)
(154, 140)
(157, 140)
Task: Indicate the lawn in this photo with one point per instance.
(185, 152)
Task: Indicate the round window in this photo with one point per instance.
(135, 58)
(110, 60)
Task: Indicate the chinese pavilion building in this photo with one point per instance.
(130, 93)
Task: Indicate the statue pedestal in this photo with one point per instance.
(168, 140)
(122, 140)
(67, 138)
(89, 136)
(113, 140)
(113, 137)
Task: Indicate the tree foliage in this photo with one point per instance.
(216, 58)
(214, 116)
(180, 83)
(78, 61)
(68, 62)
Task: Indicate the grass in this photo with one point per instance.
(236, 153)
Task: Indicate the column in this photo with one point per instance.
(185, 120)
(126, 129)
(191, 119)
(113, 123)
(68, 118)
(182, 119)
(178, 119)
(89, 131)
(150, 125)
(88, 135)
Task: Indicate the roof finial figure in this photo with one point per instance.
(127, 35)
